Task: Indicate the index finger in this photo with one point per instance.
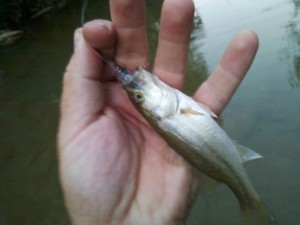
(128, 17)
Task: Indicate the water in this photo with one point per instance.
(264, 113)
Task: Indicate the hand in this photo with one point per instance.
(114, 168)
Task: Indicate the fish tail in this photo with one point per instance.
(258, 214)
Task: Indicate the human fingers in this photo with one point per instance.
(218, 89)
(83, 93)
(174, 36)
(100, 35)
(129, 21)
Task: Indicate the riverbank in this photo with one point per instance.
(16, 14)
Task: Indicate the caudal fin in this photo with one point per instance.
(257, 215)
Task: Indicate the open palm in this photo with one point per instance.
(114, 168)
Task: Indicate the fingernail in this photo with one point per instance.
(102, 26)
(77, 38)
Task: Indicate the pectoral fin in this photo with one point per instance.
(246, 154)
(208, 110)
(190, 111)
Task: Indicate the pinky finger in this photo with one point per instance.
(218, 89)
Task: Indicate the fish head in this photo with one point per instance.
(151, 96)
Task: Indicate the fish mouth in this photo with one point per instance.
(124, 76)
(132, 80)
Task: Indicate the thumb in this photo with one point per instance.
(82, 96)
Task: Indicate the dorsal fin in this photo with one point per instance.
(246, 154)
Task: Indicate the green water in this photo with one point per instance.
(264, 114)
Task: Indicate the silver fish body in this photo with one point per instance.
(189, 128)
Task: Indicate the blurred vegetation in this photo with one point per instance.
(15, 13)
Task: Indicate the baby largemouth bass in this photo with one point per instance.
(190, 129)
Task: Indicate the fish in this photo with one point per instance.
(200, 140)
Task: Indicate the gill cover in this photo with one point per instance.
(151, 95)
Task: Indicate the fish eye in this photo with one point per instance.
(139, 97)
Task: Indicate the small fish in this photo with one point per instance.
(200, 140)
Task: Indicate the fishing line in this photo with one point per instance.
(83, 10)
